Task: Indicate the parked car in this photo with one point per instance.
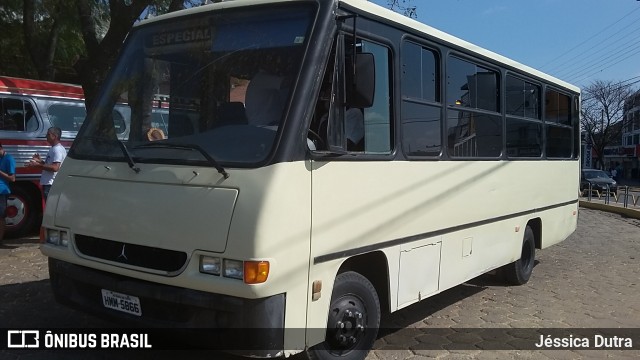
(598, 179)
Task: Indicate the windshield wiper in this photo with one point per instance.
(127, 154)
(206, 155)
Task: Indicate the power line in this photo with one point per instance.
(633, 51)
(603, 60)
(559, 67)
(587, 40)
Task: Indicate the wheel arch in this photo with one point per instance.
(375, 267)
(536, 225)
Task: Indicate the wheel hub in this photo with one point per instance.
(348, 324)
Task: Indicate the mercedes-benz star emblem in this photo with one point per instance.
(122, 254)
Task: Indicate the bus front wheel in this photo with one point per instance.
(354, 319)
(23, 212)
(519, 271)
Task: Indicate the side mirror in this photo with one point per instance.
(361, 89)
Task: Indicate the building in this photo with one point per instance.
(628, 154)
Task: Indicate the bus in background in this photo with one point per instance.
(326, 161)
(28, 108)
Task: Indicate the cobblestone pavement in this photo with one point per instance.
(591, 280)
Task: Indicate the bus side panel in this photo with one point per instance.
(558, 224)
(473, 252)
(480, 208)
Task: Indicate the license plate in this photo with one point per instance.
(121, 302)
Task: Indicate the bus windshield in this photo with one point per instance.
(216, 81)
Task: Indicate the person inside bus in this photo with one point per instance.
(265, 99)
(353, 128)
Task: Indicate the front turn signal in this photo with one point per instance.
(256, 272)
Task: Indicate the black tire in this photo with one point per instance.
(23, 212)
(519, 271)
(354, 319)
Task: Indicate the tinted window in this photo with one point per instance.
(421, 121)
(557, 108)
(471, 85)
(17, 115)
(523, 98)
(420, 78)
(576, 128)
(524, 138)
(421, 134)
(377, 118)
(474, 135)
(67, 117)
(559, 143)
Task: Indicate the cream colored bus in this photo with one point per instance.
(323, 162)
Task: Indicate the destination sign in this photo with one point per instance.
(182, 36)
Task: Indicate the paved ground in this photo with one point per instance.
(591, 280)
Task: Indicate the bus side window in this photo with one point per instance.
(377, 118)
(366, 130)
(12, 114)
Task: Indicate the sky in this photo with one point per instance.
(578, 41)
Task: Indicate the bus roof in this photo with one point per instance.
(394, 18)
(14, 85)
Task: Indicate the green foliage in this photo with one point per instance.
(404, 7)
(12, 55)
(55, 39)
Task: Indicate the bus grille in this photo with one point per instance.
(131, 254)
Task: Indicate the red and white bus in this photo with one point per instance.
(27, 109)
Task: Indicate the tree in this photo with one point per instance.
(12, 58)
(73, 41)
(603, 114)
(39, 39)
(101, 50)
(404, 7)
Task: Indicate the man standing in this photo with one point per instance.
(7, 175)
(51, 164)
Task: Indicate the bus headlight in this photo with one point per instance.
(210, 265)
(233, 269)
(57, 237)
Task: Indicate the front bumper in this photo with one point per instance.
(252, 327)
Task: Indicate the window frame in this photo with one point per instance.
(499, 112)
(406, 100)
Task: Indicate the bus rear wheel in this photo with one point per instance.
(354, 319)
(519, 271)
